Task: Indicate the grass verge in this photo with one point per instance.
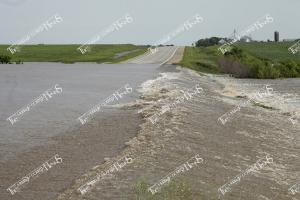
(200, 59)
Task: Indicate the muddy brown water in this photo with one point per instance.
(51, 127)
(192, 128)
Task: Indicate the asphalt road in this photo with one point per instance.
(160, 55)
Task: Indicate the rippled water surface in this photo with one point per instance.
(83, 85)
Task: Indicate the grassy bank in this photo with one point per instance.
(200, 59)
(248, 60)
(70, 54)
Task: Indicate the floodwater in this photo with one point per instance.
(83, 85)
(51, 127)
(191, 128)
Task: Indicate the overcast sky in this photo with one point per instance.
(152, 19)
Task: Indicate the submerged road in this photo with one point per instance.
(51, 127)
(254, 156)
(255, 131)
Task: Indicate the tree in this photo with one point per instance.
(5, 59)
(208, 42)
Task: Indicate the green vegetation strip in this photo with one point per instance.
(200, 59)
(246, 60)
(277, 52)
(70, 54)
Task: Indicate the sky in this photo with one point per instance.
(152, 20)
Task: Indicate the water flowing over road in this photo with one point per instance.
(52, 127)
(259, 128)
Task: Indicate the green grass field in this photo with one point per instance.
(200, 59)
(70, 54)
(273, 51)
(206, 59)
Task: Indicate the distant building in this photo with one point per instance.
(246, 39)
(276, 36)
(239, 38)
(222, 41)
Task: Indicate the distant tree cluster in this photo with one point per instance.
(208, 42)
